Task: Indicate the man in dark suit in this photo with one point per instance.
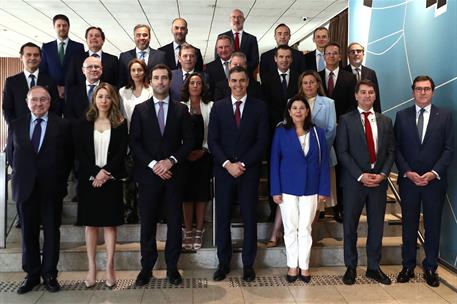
(365, 146)
(422, 159)
(16, 86)
(39, 151)
(237, 138)
(314, 60)
(79, 96)
(222, 88)
(57, 54)
(355, 55)
(161, 137)
(218, 69)
(267, 60)
(171, 50)
(95, 38)
(142, 37)
(243, 41)
(280, 84)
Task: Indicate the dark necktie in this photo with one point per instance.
(32, 81)
(357, 74)
(61, 52)
(330, 85)
(226, 69)
(161, 117)
(95, 55)
(238, 113)
(178, 64)
(90, 92)
(369, 137)
(36, 135)
(237, 41)
(185, 76)
(420, 124)
(284, 85)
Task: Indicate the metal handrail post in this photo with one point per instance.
(3, 199)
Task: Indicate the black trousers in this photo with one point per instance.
(152, 200)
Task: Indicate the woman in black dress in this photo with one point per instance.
(101, 145)
(196, 192)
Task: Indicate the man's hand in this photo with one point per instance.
(235, 169)
(61, 91)
(419, 180)
(162, 169)
(370, 180)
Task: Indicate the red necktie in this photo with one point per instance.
(369, 137)
(330, 85)
(237, 41)
(238, 113)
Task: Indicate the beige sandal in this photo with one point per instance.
(198, 239)
(187, 240)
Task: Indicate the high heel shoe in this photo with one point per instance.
(110, 283)
(304, 278)
(89, 284)
(187, 240)
(198, 239)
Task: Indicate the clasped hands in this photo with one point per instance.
(235, 169)
(162, 169)
(102, 177)
(278, 199)
(420, 180)
(372, 180)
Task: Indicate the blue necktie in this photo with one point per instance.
(321, 61)
(32, 81)
(91, 92)
(36, 136)
(161, 117)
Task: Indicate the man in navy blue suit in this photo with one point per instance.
(425, 148)
(57, 54)
(237, 138)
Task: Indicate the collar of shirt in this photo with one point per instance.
(99, 53)
(243, 99)
(354, 67)
(166, 100)
(175, 46)
(427, 108)
(361, 111)
(335, 73)
(44, 117)
(146, 51)
(222, 61)
(239, 33)
(88, 83)
(184, 72)
(65, 41)
(27, 74)
(286, 72)
(319, 53)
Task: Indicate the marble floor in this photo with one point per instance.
(270, 287)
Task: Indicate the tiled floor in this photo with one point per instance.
(228, 291)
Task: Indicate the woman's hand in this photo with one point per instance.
(277, 199)
(102, 177)
(322, 199)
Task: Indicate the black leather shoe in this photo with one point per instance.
(338, 216)
(221, 272)
(304, 278)
(291, 278)
(349, 276)
(174, 277)
(248, 274)
(378, 276)
(51, 284)
(432, 278)
(143, 277)
(28, 284)
(405, 274)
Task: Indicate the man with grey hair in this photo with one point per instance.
(142, 51)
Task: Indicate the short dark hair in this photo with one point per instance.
(29, 44)
(366, 82)
(60, 17)
(142, 25)
(308, 124)
(187, 46)
(423, 78)
(161, 66)
(239, 69)
(227, 37)
(280, 25)
(283, 47)
(95, 28)
(333, 43)
(320, 28)
(185, 88)
(131, 83)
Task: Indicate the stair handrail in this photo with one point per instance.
(3, 199)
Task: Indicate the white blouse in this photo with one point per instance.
(304, 142)
(129, 101)
(101, 144)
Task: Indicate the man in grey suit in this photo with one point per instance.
(142, 51)
(365, 147)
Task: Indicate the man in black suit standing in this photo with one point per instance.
(142, 51)
(95, 38)
(243, 41)
(356, 53)
(222, 88)
(39, 151)
(315, 60)
(425, 149)
(161, 137)
(267, 60)
(237, 138)
(365, 146)
(218, 69)
(16, 86)
(79, 96)
(280, 84)
(179, 30)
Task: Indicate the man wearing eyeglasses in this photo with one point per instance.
(425, 148)
(78, 97)
(355, 55)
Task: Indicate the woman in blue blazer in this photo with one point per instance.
(299, 178)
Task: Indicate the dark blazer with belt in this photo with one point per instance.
(155, 57)
(367, 73)
(50, 63)
(276, 101)
(248, 46)
(15, 95)
(343, 92)
(170, 60)
(268, 64)
(310, 61)
(292, 172)
(110, 72)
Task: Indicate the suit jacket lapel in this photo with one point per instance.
(168, 120)
(24, 83)
(359, 128)
(152, 113)
(318, 105)
(379, 126)
(49, 128)
(434, 116)
(293, 139)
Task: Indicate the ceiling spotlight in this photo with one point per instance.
(304, 19)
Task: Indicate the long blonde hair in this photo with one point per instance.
(115, 116)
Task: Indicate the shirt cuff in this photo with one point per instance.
(152, 164)
(176, 160)
(224, 163)
(360, 177)
(437, 175)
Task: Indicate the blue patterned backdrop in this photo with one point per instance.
(403, 39)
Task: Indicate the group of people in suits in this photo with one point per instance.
(177, 135)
